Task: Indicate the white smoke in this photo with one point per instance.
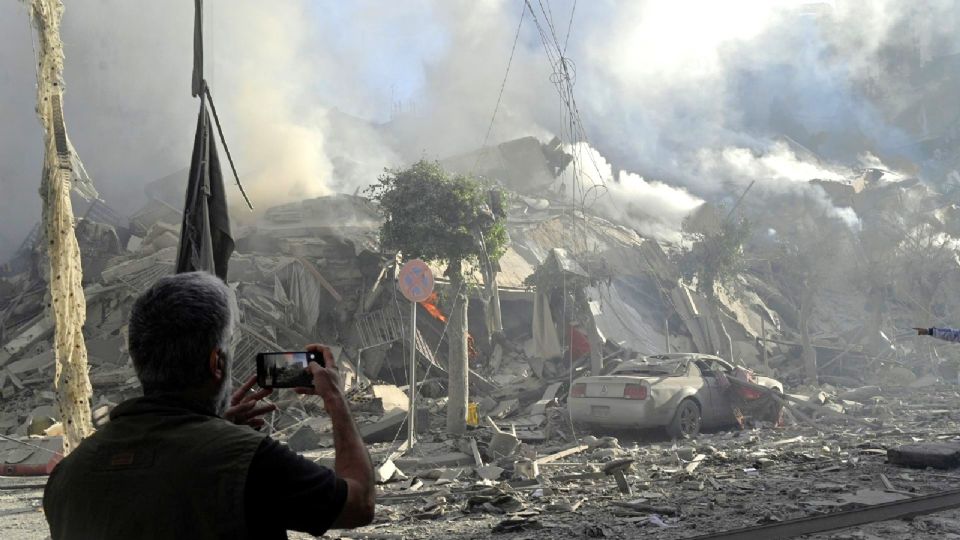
(319, 96)
(651, 207)
(777, 165)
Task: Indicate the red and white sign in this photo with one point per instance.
(416, 281)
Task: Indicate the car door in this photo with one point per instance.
(720, 410)
(704, 393)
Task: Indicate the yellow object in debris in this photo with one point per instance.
(473, 417)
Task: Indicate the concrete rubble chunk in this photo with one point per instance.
(386, 471)
(490, 472)
(391, 397)
(392, 426)
(303, 439)
(943, 455)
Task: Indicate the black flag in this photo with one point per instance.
(205, 239)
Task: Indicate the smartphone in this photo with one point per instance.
(286, 369)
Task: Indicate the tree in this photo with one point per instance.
(716, 256)
(432, 215)
(814, 253)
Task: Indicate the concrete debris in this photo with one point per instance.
(880, 410)
(303, 439)
(939, 455)
(386, 471)
(490, 472)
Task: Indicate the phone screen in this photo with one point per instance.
(285, 369)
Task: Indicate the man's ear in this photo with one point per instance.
(217, 364)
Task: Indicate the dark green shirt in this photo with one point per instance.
(165, 467)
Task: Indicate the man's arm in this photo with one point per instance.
(946, 334)
(352, 463)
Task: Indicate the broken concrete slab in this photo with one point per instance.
(490, 472)
(38, 362)
(437, 461)
(502, 445)
(106, 350)
(305, 438)
(393, 425)
(386, 471)
(505, 408)
(526, 469)
(391, 397)
(921, 455)
(549, 396)
(870, 497)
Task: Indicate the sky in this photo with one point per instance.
(682, 100)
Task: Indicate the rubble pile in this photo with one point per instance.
(579, 295)
(621, 487)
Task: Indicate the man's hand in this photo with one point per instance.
(922, 331)
(243, 406)
(326, 378)
(352, 461)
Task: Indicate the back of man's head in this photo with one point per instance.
(174, 327)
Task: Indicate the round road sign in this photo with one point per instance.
(416, 281)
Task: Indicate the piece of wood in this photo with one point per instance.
(549, 395)
(578, 476)
(323, 281)
(561, 454)
(476, 452)
(783, 398)
(713, 482)
(694, 463)
(886, 482)
(15, 380)
(622, 483)
(644, 507)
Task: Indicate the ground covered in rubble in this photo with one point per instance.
(720, 481)
(746, 478)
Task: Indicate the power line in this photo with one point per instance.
(496, 108)
(566, 40)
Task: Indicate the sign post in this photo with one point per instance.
(416, 285)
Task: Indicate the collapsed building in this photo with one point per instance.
(579, 294)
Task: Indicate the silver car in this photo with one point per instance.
(680, 392)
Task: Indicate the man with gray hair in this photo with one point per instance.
(186, 460)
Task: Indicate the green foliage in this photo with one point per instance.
(715, 257)
(435, 216)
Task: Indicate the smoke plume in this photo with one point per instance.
(695, 97)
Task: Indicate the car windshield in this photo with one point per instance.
(668, 367)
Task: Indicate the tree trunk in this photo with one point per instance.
(67, 305)
(809, 353)
(496, 314)
(457, 360)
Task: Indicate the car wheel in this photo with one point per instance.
(686, 421)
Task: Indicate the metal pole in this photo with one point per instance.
(666, 324)
(412, 399)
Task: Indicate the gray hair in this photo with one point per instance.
(174, 326)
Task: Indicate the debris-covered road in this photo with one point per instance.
(720, 481)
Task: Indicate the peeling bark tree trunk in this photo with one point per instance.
(457, 359)
(67, 304)
(809, 353)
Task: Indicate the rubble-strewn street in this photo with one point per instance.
(716, 482)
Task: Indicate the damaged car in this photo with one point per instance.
(681, 392)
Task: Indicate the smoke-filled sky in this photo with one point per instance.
(681, 100)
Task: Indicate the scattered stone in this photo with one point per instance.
(490, 472)
(386, 471)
